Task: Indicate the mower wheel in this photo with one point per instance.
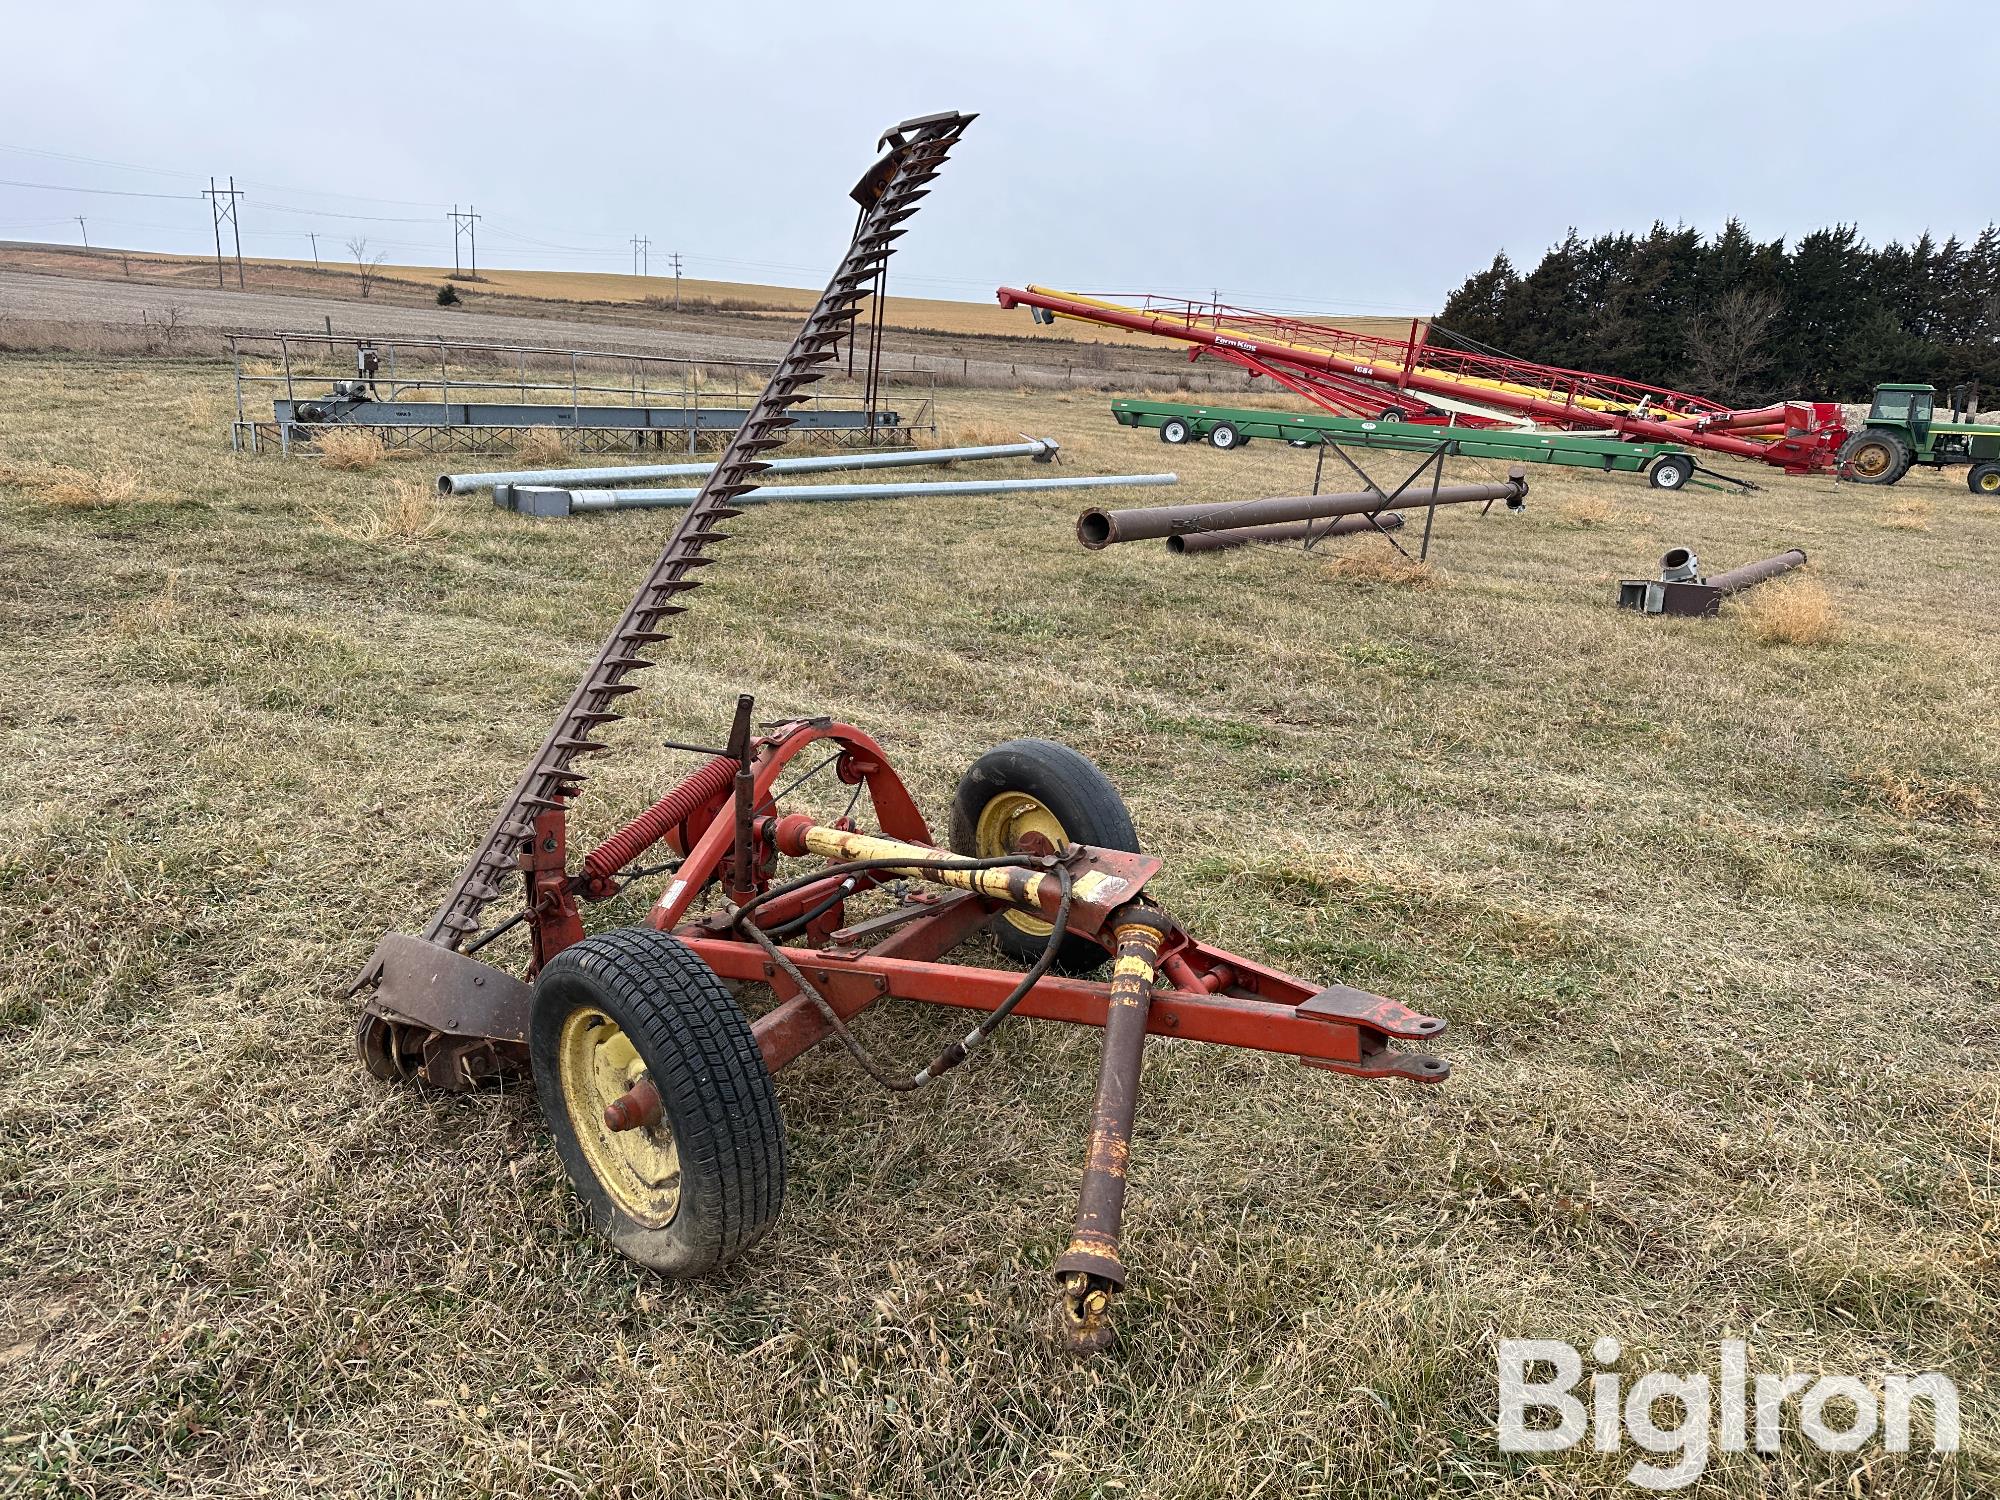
(1225, 435)
(1984, 479)
(1037, 787)
(1175, 430)
(1671, 471)
(694, 1185)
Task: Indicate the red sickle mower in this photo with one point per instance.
(656, 1086)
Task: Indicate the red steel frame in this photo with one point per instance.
(1216, 996)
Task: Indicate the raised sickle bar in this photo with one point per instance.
(1101, 528)
(888, 193)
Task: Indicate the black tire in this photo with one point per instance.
(1176, 430)
(1226, 435)
(1984, 479)
(1079, 796)
(719, 1106)
(1671, 471)
(1874, 455)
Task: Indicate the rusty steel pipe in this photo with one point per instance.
(1091, 1269)
(1103, 528)
(1290, 531)
(1752, 573)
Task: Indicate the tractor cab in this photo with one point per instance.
(1908, 406)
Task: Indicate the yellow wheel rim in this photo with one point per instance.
(1871, 459)
(1002, 823)
(1989, 484)
(640, 1168)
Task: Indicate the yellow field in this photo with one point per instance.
(938, 315)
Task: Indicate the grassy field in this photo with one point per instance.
(1707, 904)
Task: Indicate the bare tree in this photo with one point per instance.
(164, 328)
(1726, 342)
(366, 266)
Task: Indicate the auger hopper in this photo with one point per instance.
(653, 1077)
(1359, 374)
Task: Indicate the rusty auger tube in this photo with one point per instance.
(1090, 1271)
(1752, 573)
(1101, 528)
(1290, 531)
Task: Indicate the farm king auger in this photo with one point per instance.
(1357, 374)
(656, 1087)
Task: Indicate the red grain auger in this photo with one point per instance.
(1414, 379)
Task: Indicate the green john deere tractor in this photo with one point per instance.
(1902, 430)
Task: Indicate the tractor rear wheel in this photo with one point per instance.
(1175, 430)
(1984, 479)
(703, 1176)
(1874, 456)
(1025, 791)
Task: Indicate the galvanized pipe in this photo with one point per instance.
(1040, 449)
(1290, 531)
(1738, 579)
(530, 500)
(1679, 565)
(1102, 528)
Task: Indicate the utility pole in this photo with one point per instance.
(86, 231)
(642, 246)
(315, 239)
(215, 195)
(466, 225)
(677, 281)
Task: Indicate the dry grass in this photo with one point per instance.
(1590, 510)
(1794, 612)
(1908, 513)
(1913, 795)
(975, 434)
(542, 449)
(73, 488)
(1722, 1012)
(351, 450)
(410, 512)
(1389, 569)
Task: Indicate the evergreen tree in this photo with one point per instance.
(1743, 321)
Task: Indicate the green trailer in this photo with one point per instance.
(1666, 465)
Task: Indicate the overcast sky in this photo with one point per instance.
(1330, 157)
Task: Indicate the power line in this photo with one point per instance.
(57, 187)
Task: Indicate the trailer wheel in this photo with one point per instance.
(1670, 471)
(1874, 456)
(1984, 479)
(693, 1190)
(1225, 435)
(1037, 787)
(1175, 430)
